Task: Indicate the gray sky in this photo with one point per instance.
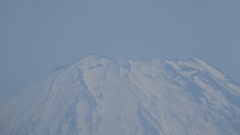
(36, 36)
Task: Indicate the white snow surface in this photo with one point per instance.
(99, 96)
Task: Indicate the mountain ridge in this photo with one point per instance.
(99, 96)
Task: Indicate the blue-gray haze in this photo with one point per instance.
(36, 36)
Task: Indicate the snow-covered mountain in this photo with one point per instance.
(99, 96)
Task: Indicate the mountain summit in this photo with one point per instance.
(99, 96)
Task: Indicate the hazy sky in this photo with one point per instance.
(38, 35)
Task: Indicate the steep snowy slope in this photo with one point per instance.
(99, 96)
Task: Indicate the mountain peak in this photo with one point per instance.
(94, 57)
(99, 96)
